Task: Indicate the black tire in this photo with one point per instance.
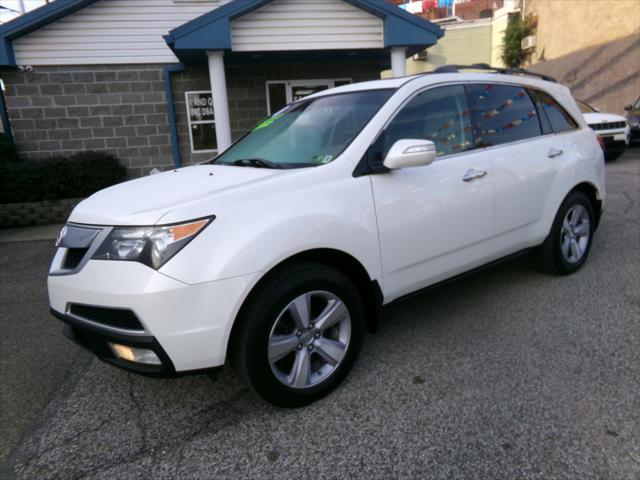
(549, 254)
(251, 336)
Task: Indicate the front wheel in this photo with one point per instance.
(299, 334)
(566, 248)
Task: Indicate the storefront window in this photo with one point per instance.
(202, 131)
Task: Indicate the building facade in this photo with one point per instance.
(170, 82)
(592, 47)
(474, 34)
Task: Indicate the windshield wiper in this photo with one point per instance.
(256, 162)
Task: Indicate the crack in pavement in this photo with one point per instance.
(232, 414)
(72, 377)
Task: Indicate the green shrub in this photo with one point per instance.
(517, 28)
(8, 151)
(54, 178)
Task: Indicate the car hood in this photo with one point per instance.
(144, 201)
(599, 117)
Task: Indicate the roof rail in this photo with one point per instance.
(484, 66)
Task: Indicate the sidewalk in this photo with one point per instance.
(27, 234)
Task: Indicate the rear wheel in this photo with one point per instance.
(566, 248)
(299, 335)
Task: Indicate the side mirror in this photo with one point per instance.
(628, 107)
(410, 153)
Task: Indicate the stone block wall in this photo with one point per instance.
(45, 212)
(118, 109)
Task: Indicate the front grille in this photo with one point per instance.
(111, 317)
(607, 125)
(73, 258)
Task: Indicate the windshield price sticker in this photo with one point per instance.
(268, 122)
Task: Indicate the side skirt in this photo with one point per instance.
(461, 275)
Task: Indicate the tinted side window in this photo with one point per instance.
(559, 119)
(503, 114)
(440, 114)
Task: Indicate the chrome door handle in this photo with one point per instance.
(553, 153)
(472, 174)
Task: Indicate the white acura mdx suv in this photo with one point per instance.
(278, 254)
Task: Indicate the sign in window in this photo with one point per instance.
(202, 125)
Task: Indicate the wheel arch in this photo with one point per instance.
(593, 194)
(346, 264)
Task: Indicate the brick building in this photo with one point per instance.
(136, 78)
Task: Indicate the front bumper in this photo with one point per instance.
(613, 146)
(187, 326)
(97, 340)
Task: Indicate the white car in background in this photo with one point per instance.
(614, 129)
(277, 255)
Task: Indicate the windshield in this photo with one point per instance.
(586, 108)
(307, 133)
(637, 104)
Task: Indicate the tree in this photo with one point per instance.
(517, 29)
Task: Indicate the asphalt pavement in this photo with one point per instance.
(507, 373)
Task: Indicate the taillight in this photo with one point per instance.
(600, 141)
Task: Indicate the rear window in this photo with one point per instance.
(558, 118)
(503, 114)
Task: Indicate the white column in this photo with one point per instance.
(398, 61)
(220, 102)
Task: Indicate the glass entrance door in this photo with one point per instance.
(282, 92)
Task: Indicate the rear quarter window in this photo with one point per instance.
(551, 111)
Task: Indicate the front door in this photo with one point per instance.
(282, 92)
(434, 221)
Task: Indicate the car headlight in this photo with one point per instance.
(153, 246)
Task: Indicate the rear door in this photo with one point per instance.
(434, 221)
(526, 161)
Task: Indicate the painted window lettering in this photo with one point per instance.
(202, 132)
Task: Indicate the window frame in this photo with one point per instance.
(533, 101)
(414, 95)
(199, 122)
(368, 165)
(532, 93)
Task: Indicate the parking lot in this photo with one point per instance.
(507, 373)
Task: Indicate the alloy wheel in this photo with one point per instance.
(309, 339)
(575, 233)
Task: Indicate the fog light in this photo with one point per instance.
(133, 354)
